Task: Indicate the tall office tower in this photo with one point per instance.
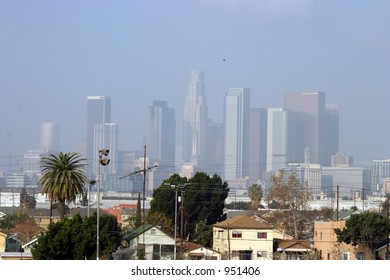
(309, 109)
(331, 132)
(99, 111)
(161, 140)
(236, 118)
(279, 144)
(50, 138)
(257, 144)
(214, 149)
(105, 137)
(195, 120)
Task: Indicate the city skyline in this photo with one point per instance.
(54, 55)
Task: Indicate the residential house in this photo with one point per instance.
(193, 251)
(383, 250)
(3, 238)
(294, 250)
(327, 247)
(156, 244)
(243, 238)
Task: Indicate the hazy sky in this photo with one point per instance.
(53, 54)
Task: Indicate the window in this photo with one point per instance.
(153, 231)
(237, 234)
(360, 255)
(346, 256)
(261, 235)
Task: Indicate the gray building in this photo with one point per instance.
(161, 140)
(98, 112)
(236, 119)
(195, 120)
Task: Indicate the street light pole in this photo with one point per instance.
(91, 183)
(102, 161)
(176, 188)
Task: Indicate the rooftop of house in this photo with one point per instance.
(242, 222)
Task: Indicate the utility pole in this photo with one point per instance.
(143, 171)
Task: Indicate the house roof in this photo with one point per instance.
(294, 245)
(27, 227)
(137, 231)
(242, 222)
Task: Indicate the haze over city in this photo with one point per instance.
(54, 54)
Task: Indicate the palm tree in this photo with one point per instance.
(63, 178)
(255, 195)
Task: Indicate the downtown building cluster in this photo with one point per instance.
(248, 146)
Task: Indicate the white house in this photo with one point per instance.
(243, 238)
(157, 244)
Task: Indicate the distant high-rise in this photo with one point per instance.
(331, 132)
(214, 149)
(50, 138)
(99, 112)
(257, 143)
(236, 118)
(278, 138)
(309, 110)
(195, 120)
(106, 137)
(161, 139)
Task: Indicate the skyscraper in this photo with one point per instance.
(195, 120)
(236, 119)
(99, 112)
(309, 110)
(50, 138)
(331, 132)
(257, 143)
(278, 138)
(106, 137)
(161, 139)
(214, 149)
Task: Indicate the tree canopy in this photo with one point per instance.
(367, 228)
(255, 195)
(291, 197)
(75, 239)
(63, 178)
(202, 198)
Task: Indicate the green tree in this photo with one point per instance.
(203, 200)
(75, 239)
(255, 195)
(63, 178)
(367, 228)
(11, 220)
(203, 234)
(291, 197)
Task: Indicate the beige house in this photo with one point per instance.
(325, 242)
(3, 241)
(243, 238)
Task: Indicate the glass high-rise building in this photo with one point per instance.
(257, 144)
(309, 110)
(195, 120)
(99, 112)
(161, 139)
(106, 137)
(50, 138)
(236, 119)
(279, 144)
